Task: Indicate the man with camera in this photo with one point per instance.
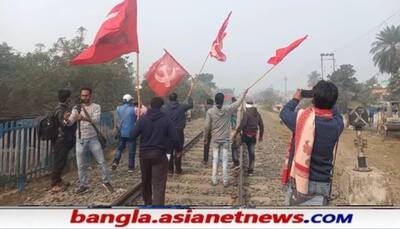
(308, 166)
(87, 114)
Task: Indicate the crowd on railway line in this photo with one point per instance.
(159, 129)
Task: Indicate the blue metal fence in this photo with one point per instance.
(23, 156)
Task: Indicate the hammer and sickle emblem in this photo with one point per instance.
(163, 76)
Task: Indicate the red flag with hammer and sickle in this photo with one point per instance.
(116, 36)
(165, 74)
(216, 48)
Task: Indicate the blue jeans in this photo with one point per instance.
(220, 153)
(131, 145)
(92, 145)
(314, 188)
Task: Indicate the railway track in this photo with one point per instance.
(133, 194)
(194, 188)
(263, 187)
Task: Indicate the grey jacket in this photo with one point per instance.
(218, 121)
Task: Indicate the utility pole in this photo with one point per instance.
(322, 66)
(327, 57)
(285, 87)
(333, 62)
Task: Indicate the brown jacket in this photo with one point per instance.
(251, 122)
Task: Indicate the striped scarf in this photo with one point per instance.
(303, 138)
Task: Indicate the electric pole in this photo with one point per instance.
(327, 57)
(285, 87)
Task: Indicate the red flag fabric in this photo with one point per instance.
(165, 74)
(216, 48)
(282, 52)
(116, 36)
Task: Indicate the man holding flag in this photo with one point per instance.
(218, 124)
(117, 36)
(156, 130)
(177, 113)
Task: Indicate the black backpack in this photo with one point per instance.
(48, 127)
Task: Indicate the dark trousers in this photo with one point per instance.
(207, 149)
(235, 154)
(176, 151)
(154, 168)
(251, 146)
(61, 150)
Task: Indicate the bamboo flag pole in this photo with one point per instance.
(194, 80)
(241, 108)
(138, 84)
(204, 64)
(262, 76)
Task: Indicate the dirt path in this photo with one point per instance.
(383, 155)
(264, 186)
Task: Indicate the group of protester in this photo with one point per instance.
(161, 131)
(308, 165)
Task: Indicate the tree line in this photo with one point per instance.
(29, 82)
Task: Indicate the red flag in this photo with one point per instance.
(116, 36)
(165, 74)
(282, 52)
(216, 48)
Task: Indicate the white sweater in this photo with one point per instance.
(87, 130)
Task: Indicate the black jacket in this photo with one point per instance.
(155, 130)
(176, 112)
(65, 132)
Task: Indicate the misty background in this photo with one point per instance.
(187, 28)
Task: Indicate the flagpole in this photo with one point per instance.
(262, 76)
(204, 90)
(194, 80)
(221, 34)
(204, 64)
(138, 84)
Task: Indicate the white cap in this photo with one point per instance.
(127, 97)
(250, 102)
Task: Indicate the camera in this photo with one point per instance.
(78, 106)
(306, 93)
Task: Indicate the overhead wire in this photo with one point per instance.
(371, 30)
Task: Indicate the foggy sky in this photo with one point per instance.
(186, 28)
